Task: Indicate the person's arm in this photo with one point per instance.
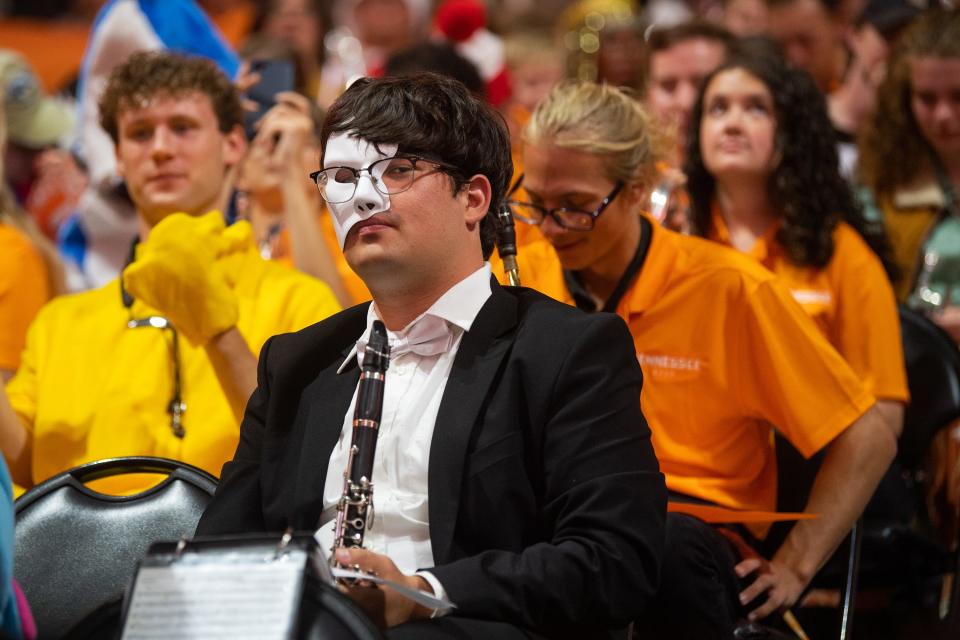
(290, 126)
(852, 468)
(15, 442)
(235, 366)
(798, 382)
(236, 507)
(891, 411)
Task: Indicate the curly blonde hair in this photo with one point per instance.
(893, 150)
(602, 120)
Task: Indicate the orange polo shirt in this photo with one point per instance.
(24, 288)
(726, 354)
(851, 301)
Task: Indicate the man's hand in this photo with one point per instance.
(384, 605)
(781, 585)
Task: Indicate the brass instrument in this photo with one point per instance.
(355, 510)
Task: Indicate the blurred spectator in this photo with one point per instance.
(536, 65)
(910, 161)
(30, 271)
(745, 17)
(769, 187)
(45, 180)
(605, 42)
(463, 23)
(163, 362)
(438, 57)
(284, 206)
(678, 59)
(367, 33)
(811, 32)
(868, 41)
(97, 238)
(302, 25)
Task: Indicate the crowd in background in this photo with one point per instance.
(846, 115)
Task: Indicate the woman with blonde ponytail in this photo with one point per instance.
(726, 354)
(30, 271)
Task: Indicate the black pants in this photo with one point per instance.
(698, 597)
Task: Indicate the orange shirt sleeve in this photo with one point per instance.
(797, 381)
(24, 288)
(867, 331)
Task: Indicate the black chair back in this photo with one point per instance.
(933, 375)
(76, 549)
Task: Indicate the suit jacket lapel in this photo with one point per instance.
(475, 366)
(328, 397)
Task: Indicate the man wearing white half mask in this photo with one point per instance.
(513, 471)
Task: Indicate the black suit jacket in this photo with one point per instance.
(546, 502)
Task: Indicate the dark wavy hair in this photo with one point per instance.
(806, 186)
(434, 116)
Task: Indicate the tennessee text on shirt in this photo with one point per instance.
(812, 296)
(670, 367)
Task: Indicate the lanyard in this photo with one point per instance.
(582, 297)
(176, 407)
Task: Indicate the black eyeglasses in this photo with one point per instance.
(339, 184)
(573, 219)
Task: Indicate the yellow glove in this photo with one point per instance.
(178, 272)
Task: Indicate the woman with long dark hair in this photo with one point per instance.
(763, 178)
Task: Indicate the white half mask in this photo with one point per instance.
(346, 150)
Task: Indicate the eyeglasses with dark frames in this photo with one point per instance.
(566, 217)
(397, 174)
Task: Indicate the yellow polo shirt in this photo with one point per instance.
(726, 355)
(24, 288)
(90, 388)
(850, 299)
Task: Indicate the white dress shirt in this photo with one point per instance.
(413, 388)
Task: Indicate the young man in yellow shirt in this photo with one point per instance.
(161, 361)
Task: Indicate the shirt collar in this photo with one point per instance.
(658, 269)
(763, 248)
(459, 307)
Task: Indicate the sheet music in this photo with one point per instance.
(242, 599)
(428, 600)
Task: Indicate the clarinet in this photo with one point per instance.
(507, 245)
(355, 509)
